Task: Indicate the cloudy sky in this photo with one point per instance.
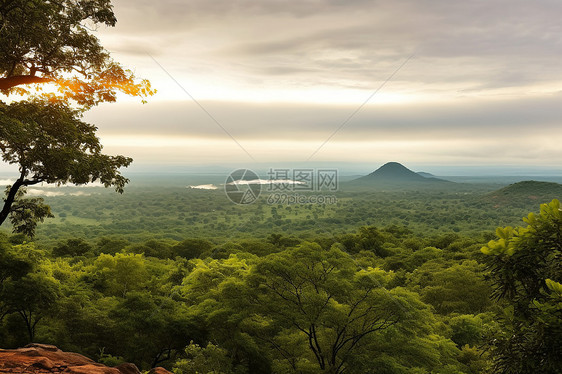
(430, 83)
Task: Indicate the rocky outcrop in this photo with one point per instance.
(43, 358)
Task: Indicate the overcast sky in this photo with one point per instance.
(470, 83)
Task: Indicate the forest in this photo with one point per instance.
(174, 212)
(383, 297)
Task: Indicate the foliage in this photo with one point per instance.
(73, 248)
(174, 212)
(322, 300)
(52, 42)
(50, 144)
(459, 288)
(526, 269)
(205, 360)
(377, 297)
(27, 288)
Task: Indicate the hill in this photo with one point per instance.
(525, 192)
(394, 174)
(425, 175)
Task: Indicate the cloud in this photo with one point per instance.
(285, 74)
(471, 118)
(484, 44)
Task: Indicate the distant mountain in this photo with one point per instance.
(522, 193)
(396, 174)
(425, 175)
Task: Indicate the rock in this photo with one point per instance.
(92, 369)
(44, 363)
(159, 370)
(128, 369)
(44, 358)
(45, 347)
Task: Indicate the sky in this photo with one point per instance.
(438, 85)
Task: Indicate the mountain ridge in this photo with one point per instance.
(395, 173)
(525, 191)
(426, 175)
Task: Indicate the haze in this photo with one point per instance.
(481, 87)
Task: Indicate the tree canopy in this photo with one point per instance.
(52, 42)
(50, 144)
(526, 268)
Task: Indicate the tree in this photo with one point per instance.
(25, 213)
(150, 329)
(210, 359)
(314, 310)
(72, 247)
(452, 288)
(526, 269)
(48, 41)
(117, 275)
(27, 288)
(192, 248)
(33, 297)
(218, 296)
(13, 267)
(50, 144)
(318, 301)
(51, 42)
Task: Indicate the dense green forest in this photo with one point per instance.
(385, 292)
(167, 212)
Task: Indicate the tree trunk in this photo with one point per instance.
(9, 200)
(29, 324)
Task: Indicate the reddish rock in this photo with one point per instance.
(44, 363)
(45, 347)
(128, 368)
(43, 358)
(158, 370)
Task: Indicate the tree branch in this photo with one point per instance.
(16, 80)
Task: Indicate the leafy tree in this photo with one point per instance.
(192, 248)
(27, 288)
(33, 297)
(150, 329)
(457, 288)
(466, 330)
(72, 247)
(210, 360)
(12, 268)
(280, 240)
(117, 275)
(50, 144)
(158, 248)
(371, 239)
(318, 301)
(110, 245)
(25, 213)
(219, 296)
(52, 42)
(526, 269)
(474, 359)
